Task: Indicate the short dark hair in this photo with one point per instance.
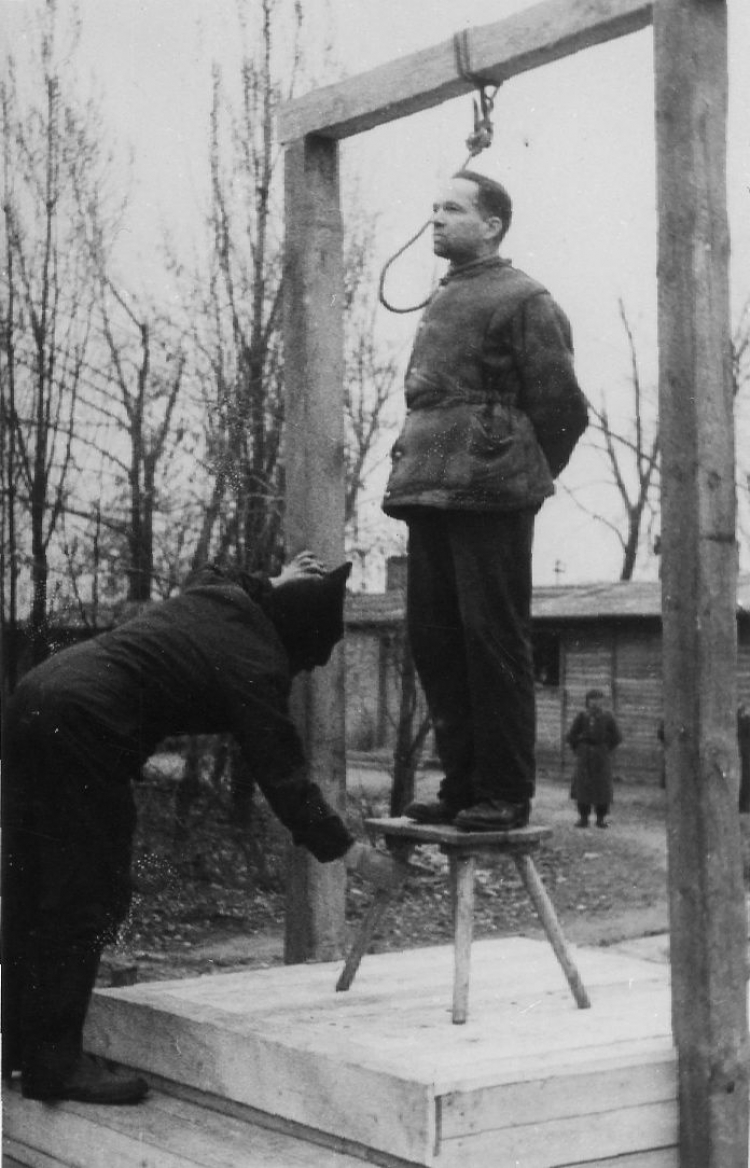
(595, 695)
(492, 197)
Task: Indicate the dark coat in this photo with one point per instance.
(593, 736)
(494, 409)
(207, 661)
(216, 659)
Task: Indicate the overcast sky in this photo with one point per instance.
(573, 142)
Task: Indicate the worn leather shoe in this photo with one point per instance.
(493, 815)
(87, 1083)
(436, 812)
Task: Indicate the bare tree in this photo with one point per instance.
(50, 151)
(630, 450)
(237, 331)
(371, 368)
(237, 325)
(147, 371)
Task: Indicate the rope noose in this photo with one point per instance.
(480, 139)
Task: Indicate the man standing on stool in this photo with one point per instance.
(593, 736)
(494, 411)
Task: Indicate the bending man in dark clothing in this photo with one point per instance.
(217, 658)
(493, 413)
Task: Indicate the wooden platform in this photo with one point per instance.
(380, 1073)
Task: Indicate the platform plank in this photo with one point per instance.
(29, 1157)
(508, 968)
(162, 1132)
(383, 1068)
(543, 1098)
(539, 1145)
(660, 1158)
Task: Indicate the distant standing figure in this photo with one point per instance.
(593, 736)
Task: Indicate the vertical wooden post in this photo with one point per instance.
(707, 906)
(313, 373)
(462, 870)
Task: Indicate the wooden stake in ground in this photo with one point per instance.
(707, 903)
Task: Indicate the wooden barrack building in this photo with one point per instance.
(607, 635)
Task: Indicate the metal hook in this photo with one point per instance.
(481, 138)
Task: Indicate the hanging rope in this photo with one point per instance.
(479, 139)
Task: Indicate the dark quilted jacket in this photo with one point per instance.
(493, 405)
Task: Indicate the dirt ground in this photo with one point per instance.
(216, 902)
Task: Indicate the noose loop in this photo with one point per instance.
(479, 139)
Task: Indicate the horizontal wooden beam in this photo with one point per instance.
(536, 36)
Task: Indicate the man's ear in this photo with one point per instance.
(496, 226)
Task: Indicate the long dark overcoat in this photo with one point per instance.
(593, 736)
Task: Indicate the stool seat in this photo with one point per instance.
(450, 837)
(462, 848)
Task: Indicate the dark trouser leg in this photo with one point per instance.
(58, 992)
(17, 900)
(602, 811)
(492, 557)
(73, 819)
(19, 869)
(584, 811)
(437, 645)
(468, 612)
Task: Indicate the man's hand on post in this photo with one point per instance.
(305, 563)
(375, 867)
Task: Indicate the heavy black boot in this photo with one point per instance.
(55, 1004)
(435, 812)
(10, 1027)
(86, 1082)
(494, 815)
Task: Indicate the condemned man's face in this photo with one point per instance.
(460, 231)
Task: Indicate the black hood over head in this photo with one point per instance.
(308, 615)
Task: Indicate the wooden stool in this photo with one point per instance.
(462, 849)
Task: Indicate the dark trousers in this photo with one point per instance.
(468, 618)
(68, 821)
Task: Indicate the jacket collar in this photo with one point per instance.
(474, 268)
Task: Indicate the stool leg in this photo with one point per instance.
(462, 886)
(401, 850)
(364, 937)
(547, 915)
